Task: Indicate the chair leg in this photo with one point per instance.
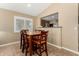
(26, 47)
(33, 49)
(40, 50)
(26, 52)
(46, 49)
(20, 43)
(23, 48)
(36, 49)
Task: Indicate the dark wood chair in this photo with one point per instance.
(22, 39)
(26, 45)
(40, 41)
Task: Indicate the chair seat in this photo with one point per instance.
(38, 42)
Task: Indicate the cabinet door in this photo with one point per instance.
(56, 36)
(50, 36)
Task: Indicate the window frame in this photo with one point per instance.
(21, 18)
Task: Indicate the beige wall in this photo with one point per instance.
(7, 33)
(68, 19)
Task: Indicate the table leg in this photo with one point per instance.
(30, 45)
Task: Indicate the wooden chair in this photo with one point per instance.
(22, 39)
(41, 42)
(26, 44)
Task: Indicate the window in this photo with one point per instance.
(20, 22)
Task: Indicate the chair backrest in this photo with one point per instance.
(44, 35)
(22, 32)
(38, 30)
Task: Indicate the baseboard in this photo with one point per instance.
(47, 43)
(71, 50)
(75, 52)
(9, 43)
(54, 45)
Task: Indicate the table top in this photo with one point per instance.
(33, 33)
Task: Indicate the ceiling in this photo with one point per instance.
(34, 10)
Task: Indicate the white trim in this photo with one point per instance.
(76, 52)
(47, 43)
(70, 50)
(15, 18)
(9, 44)
(54, 45)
